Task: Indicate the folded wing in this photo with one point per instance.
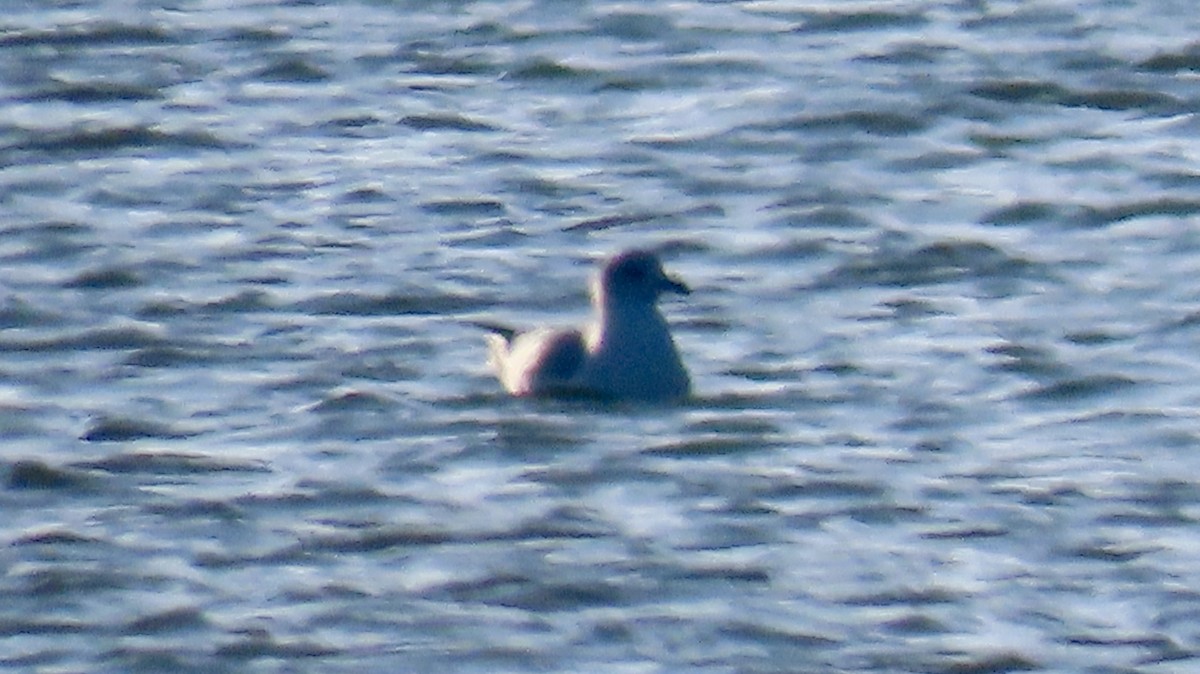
(543, 361)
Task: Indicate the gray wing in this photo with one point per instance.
(560, 357)
(537, 362)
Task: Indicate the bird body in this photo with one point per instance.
(626, 352)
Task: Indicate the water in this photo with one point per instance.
(945, 262)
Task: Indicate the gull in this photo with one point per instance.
(625, 353)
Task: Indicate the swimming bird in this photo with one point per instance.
(626, 352)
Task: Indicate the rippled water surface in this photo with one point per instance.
(943, 337)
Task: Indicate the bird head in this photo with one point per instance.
(636, 276)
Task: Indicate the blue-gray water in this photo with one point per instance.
(944, 332)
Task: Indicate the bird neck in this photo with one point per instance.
(625, 319)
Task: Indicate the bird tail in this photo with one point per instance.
(499, 339)
(498, 329)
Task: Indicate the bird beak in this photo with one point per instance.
(671, 284)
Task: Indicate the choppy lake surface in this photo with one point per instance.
(943, 336)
